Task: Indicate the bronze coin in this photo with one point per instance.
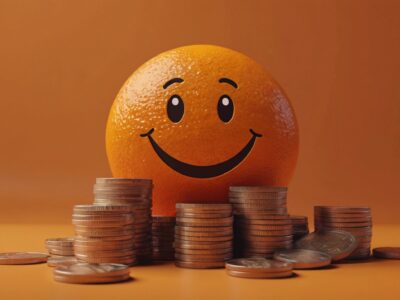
(203, 239)
(200, 206)
(203, 251)
(204, 215)
(200, 265)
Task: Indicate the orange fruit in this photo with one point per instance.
(198, 119)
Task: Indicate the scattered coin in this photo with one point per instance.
(22, 258)
(387, 252)
(337, 244)
(303, 258)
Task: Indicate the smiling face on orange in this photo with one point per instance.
(198, 119)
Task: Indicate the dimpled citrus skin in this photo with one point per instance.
(201, 138)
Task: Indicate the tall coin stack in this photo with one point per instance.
(262, 224)
(163, 229)
(138, 194)
(104, 234)
(203, 235)
(300, 226)
(356, 220)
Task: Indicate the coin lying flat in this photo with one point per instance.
(256, 275)
(387, 252)
(337, 244)
(91, 273)
(303, 258)
(22, 258)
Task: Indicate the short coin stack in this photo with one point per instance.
(104, 234)
(300, 226)
(138, 194)
(61, 250)
(262, 224)
(356, 220)
(258, 268)
(91, 273)
(163, 229)
(203, 235)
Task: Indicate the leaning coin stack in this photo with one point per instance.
(356, 220)
(163, 229)
(61, 250)
(262, 224)
(104, 234)
(138, 194)
(300, 226)
(203, 235)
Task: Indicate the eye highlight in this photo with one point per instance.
(175, 108)
(225, 108)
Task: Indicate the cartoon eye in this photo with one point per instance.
(225, 108)
(175, 108)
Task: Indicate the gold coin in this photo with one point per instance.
(22, 258)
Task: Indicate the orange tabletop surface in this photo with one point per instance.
(373, 279)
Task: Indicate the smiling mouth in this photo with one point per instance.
(202, 171)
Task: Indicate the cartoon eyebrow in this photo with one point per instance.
(172, 81)
(228, 81)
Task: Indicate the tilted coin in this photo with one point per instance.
(258, 265)
(22, 258)
(337, 244)
(387, 252)
(303, 258)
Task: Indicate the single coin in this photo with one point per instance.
(194, 223)
(58, 261)
(258, 265)
(22, 258)
(104, 253)
(337, 244)
(261, 233)
(250, 222)
(387, 252)
(204, 215)
(234, 197)
(61, 252)
(272, 227)
(258, 188)
(342, 215)
(344, 224)
(163, 219)
(363, 231)
(260, 213)
(342, 208)
(259, 275)
(246, 237)
(202, 258)
(184, 228)
(214, 206)
(203, 251)
(127, 181)
(202, 245)
(60, 242)
(303, 258)
(203, 239)
(200, 265)
(223, 233)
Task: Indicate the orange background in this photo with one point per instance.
(63, 62)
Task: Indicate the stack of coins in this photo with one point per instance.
(104, 234)
(356, 220)
(91, 273)
(163, 229)
(203, 235)
(262, 224)
(138, 194)
(258, 268)
(300, 226)
(60, 246)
